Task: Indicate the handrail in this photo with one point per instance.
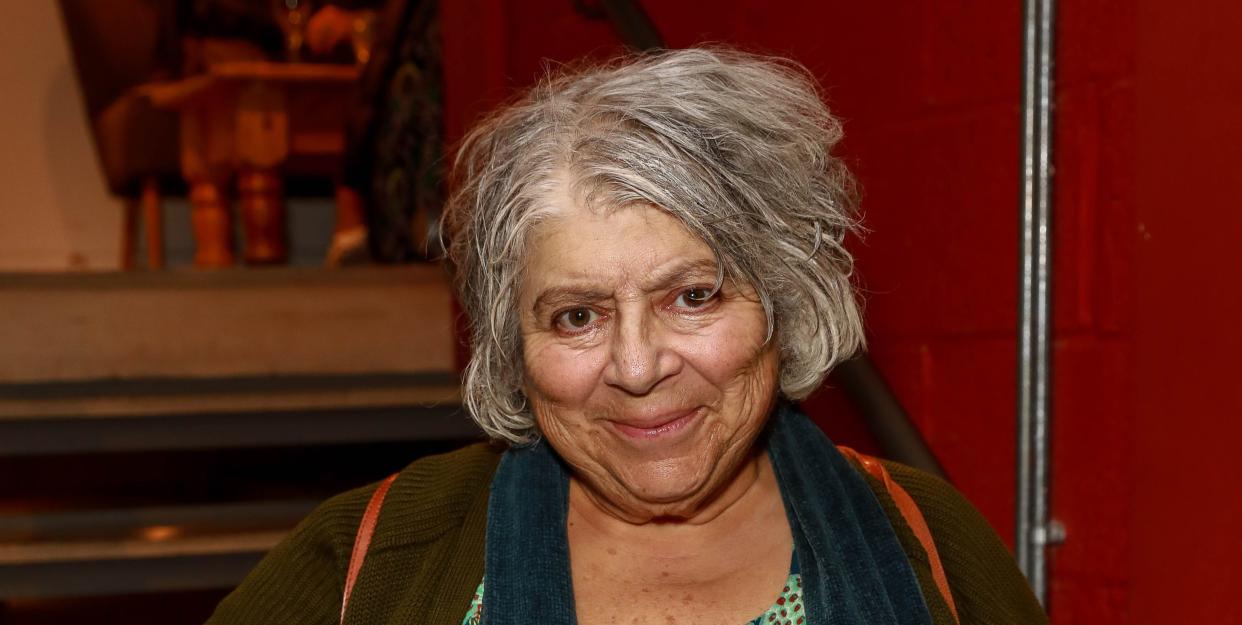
(884, 415)
(632, 24)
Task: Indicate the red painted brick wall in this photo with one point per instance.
(1092, 481)
(1187, 313)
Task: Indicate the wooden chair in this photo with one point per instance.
(117, 46)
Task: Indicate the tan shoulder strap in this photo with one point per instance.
(362, 541)
(913, 517)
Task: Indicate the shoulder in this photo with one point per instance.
(432, 495)
(302, 578)
(983, 577)
(435, 491)
(942, 505)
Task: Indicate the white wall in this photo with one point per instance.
(55, 211)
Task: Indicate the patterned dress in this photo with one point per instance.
(787, 610)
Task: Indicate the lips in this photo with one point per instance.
(664, 425)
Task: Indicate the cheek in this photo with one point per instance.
(730, 349)
(562, 376)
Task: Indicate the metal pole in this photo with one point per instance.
(1035, 530)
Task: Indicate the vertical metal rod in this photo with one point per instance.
(1035, 530)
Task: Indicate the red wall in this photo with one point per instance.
(1187, 402)
(1148, 136)
(1092, 454)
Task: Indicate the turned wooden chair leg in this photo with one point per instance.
(153, 218)
(262, 203)
(213, 228)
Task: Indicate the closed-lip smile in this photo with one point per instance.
(656, 427)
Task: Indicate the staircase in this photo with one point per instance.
(159, 432)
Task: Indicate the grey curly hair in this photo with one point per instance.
(737, 146)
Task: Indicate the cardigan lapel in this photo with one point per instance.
(854, 570)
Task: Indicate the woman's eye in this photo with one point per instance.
(577, 318)
(694, 297)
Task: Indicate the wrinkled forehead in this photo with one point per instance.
(570, 213)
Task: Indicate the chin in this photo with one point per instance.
(664, 488)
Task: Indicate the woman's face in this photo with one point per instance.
(652, 387)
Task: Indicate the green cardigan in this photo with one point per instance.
(426, 557)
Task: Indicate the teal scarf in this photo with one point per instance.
(853, 568)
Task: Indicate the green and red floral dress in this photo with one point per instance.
(787, 610)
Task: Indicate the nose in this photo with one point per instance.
(640, 357)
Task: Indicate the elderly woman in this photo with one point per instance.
(651, 255)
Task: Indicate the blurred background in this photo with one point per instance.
(217, 306)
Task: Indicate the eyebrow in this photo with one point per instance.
(675, 273)
(659, 280)
(567, 294)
